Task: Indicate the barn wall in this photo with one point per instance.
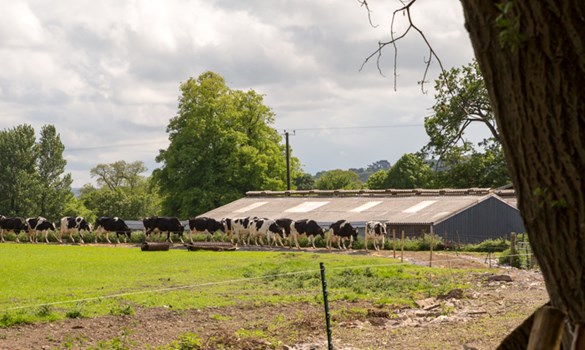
(410, 230)
(488, 219)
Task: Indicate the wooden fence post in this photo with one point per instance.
(402, 247)
(512, 248)
(394, 242)
(432, 242)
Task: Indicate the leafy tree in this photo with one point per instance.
(19, 179)
(123, 192)
(461, 99)
(304, 181)
(221, 146)
(55, 185)
(377, 181)
(531, 57)
(364, 174)
(118, 174)
(410, 171)
(338, 180)
(474, 169)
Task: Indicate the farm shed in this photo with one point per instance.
(468, 216)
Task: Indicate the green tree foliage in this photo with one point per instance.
(55, 185)
(410, 171)
(221, 145)
(338, 180)
(474, 169)
(123, 192)
(364, 174)
(462, 99)
(304, 181)
(118, 174)
(377, 181)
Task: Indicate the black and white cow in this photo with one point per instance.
(308, 227)
(109, 224)
(39, 224)
(287, 224)
(70, 225)
(375, 231)
(228, 228)
(163, 224)
(14, 224)
(266, 228)
(340, 231)
(241, 228)
(205, 225)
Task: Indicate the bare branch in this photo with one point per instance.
(364, 3)
(404, 10)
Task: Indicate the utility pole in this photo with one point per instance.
(287, 160)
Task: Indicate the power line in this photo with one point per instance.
(324, 128)
(361, 127)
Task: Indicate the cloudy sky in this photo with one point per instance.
(107, 73)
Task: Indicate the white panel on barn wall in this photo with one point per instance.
(418, 207)
(305, 207)
(250, 207)
(365, 206)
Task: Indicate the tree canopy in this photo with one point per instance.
(32, 174)
(123, 192)
(338, 180)
(461, 100)
(221, 145)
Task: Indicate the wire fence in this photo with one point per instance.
(450, 262)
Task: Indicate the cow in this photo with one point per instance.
(205, 225)
(268, 228)
(109, 224)
(340, 231)
(307, 227)
(163, 224)
(375, 231)
(241, 228)
(39, 224)
(70, 224)
(228, 228)
(14, 224)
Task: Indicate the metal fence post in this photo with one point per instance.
(325, 301)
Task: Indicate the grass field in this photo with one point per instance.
(49, 282)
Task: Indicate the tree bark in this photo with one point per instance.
(537, 89)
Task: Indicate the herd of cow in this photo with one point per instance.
(245, 231)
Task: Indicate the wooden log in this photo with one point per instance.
(213, 246)
(155, 246)
(547, 329)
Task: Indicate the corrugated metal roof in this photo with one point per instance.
(400, 209)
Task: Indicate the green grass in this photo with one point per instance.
(48, 282)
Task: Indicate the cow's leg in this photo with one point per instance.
(108, 237)
(2, 235)
(383, 243)
(80, 236)
(191, 236)
(46, 236)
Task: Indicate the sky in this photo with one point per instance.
(107, 73)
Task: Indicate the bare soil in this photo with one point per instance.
(477, 318)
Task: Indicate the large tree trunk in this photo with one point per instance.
(537, 89)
